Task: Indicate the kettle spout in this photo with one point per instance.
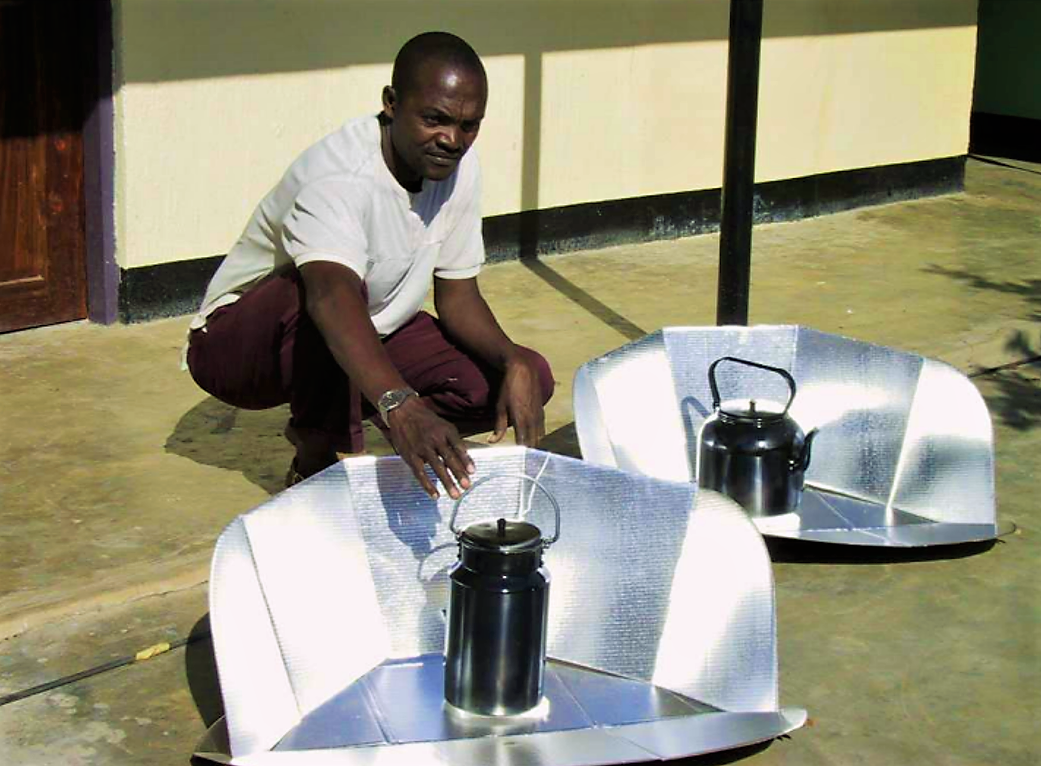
(803, 462)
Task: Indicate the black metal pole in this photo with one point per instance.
(735, 240)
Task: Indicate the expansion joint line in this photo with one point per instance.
(144, 655)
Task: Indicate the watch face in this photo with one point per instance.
(393, 398)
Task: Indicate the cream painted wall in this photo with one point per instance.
(195, 157)
(848, 101)
(590, 99)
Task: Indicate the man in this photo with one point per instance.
(319, 302)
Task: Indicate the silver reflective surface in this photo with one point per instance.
(904, 452)
(660, 740)
(328, 602)
(575, 698)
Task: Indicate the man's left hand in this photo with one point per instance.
(520, 403)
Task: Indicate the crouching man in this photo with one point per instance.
(319, 302)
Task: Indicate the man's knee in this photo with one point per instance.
(546, 382)
(471, 387)
(467, 391)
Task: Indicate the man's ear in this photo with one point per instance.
(390, 100)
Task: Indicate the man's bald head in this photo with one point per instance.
(429, 49)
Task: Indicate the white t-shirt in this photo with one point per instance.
(339, 202)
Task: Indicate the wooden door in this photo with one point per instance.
(44, 96)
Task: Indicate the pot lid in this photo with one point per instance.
(503, 536)
(753, 409)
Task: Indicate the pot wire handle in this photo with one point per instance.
(536, 482)
(715, 389)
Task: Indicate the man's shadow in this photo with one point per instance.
(246, 441)
(252, 443)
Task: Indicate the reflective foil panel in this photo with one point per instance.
(903, 455)
(328, 615)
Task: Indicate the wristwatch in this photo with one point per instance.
(392, 399)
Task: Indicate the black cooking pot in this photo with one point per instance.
(495, 646)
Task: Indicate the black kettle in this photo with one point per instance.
(753, 452)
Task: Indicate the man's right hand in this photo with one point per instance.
(422, 438)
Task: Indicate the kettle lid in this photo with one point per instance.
(759, 410)
(502, 536)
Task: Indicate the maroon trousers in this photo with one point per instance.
(263, 351)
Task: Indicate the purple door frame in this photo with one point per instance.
(99, 173)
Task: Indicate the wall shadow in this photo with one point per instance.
(205, 38)
(248, 442)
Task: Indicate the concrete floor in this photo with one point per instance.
(117, 474)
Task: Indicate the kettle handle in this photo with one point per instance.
(479, 482)
(715, 389)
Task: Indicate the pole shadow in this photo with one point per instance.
(581, 298)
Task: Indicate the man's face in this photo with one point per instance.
(433, 123)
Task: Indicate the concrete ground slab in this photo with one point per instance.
(150, 712)
(117, 474)
(927, 657)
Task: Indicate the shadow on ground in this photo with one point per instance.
(563, 441)
(726, 756)
(1014, 395)
(1028, 289)
(248, 442)
(251, 442)
(583, 299)
(200, 669)
(1000, 164)
(1012, 391)
(787, 551)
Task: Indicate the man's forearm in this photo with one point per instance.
(469, 321)
(335, 304)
